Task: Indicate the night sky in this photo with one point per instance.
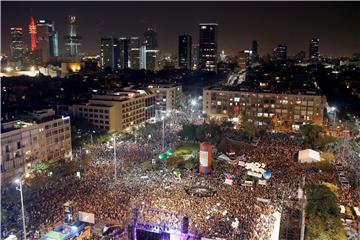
(293, 23)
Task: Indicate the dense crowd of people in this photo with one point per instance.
(233, 210)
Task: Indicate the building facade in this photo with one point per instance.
(150, 36)
(47, 40)
(185, 47)
(124, 45)
(148, 58)
(25, 143)
(208, 46)
(243, 59)
(118, 111)
(109, 53)
(134, 53)
(17, 43)
(73, 39)
(291, 110)
(280, 52)
(168, 97)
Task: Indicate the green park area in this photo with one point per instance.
(186, 149)
(322, 213)
(182, 157)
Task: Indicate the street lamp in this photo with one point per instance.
(333, 111)
(91, 137)
(115, 173)
(163, 133)
(193, 102)
(20, 189)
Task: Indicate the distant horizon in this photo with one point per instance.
(270, 23)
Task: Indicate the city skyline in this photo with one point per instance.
(334, 23)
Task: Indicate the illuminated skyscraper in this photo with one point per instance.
(148, 58)
(134, 54)
(314, 52)
(185, 45)
(73, 39)
(47, 40)
(109, 53)
(150, 36)
(124, 45)
(17, 44)
(208, 46)
(32, 32)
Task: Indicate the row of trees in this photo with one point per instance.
(322, 213)
(207, 132)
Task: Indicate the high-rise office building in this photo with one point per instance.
(150, 36)
(16, 44)
(109, 53)
(148, 58)
(208, 46)
(134, 55)
(32, 32)
(254, 47)
(124, 45)
(280, 52)
(152, 59)
(185, 45)
(73, 39)
(314, 52)
(47, 40)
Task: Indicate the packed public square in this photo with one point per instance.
(232, 212)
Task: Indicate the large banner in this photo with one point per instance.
(205, 156)
(87, 217)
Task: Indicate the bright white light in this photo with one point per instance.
(17, 181)
(193, 102)
(32, 68)
(8, 69)
(162, 118)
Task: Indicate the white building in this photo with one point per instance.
(24, 143)
(168, 97)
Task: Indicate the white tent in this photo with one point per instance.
(223, 157)
(308, 156)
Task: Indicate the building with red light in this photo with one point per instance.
(32, 32)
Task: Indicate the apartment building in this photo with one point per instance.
(117, 111)
(24, 143)
(287, 109)
(168, 97)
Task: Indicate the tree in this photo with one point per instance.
(249, 129)
(315, 136)
(42, 166)
(188, 132)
